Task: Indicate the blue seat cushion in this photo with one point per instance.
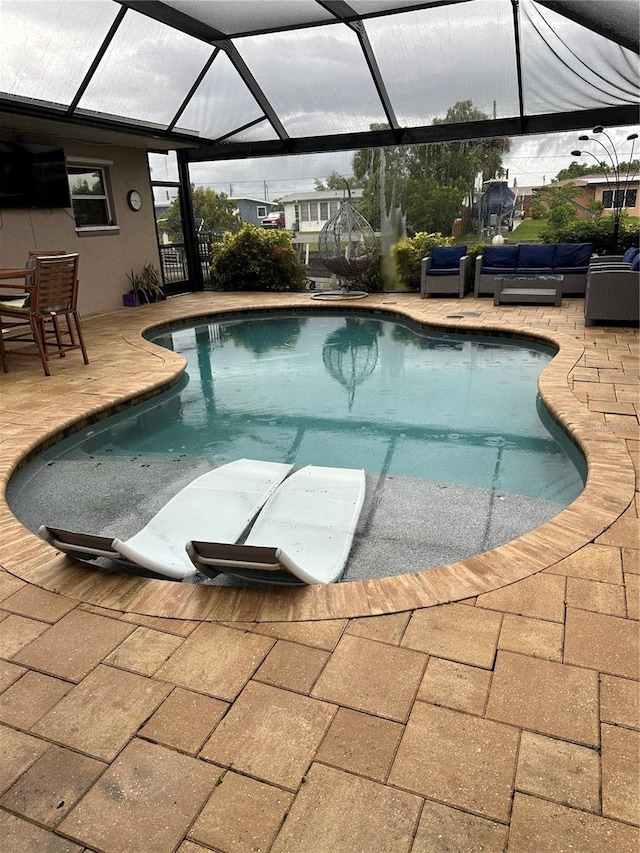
(452, 271)
(536, 256)
(447, 257)
(571, 270)
(535, 271)
(498, 270)
(500, 257)
(631, 254)
(572, 255)
(635, 263)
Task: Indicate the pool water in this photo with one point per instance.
(359, 391)
(460, 453)
(353, 391)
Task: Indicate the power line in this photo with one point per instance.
(269, 182)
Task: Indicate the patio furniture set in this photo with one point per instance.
(540, 274)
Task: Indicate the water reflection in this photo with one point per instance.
(407, 335)
(262, 336)
(350, 354)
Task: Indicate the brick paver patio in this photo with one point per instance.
(492, 705)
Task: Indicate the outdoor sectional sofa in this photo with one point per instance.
(570, 260)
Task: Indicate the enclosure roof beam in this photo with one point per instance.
(516, 126)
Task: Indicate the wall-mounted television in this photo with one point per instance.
(33, 176)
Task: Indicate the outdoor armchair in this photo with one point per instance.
(446, 271)
(612, 295)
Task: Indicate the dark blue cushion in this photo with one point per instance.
(437, 271)
(572, 254)
(497, 270)
(571, 270)
(534, 270)
(503, 257)
(536, 256)
(630, 255)
(447, 257)
(635, 263)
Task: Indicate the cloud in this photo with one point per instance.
(536, 160)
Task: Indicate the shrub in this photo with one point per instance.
(598, 231)
(256, 259)
(408, 253)
(371, 278)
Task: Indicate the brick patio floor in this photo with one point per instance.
(491, 705)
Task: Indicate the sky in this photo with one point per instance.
(532, 161)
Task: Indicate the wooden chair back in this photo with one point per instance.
(55, 284)
(39, 253)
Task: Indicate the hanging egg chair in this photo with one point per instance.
(347, 247)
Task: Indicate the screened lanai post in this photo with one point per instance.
(191, 246)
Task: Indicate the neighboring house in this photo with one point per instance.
(597, 188)
(253, 210)
(310, 211)
(604, 189)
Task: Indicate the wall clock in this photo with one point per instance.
(134, 200)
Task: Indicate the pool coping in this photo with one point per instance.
(76, 395)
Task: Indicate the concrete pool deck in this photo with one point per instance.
(488, 704)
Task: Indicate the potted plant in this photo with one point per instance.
(145, 286)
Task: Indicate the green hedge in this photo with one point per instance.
(408, 253)
(598, 231)
(256, 259)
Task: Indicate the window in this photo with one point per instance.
(304, 211)
(88, 189)
(623, 198)
(313, 210)
(333, 208)
(261, 212)
(324, 210)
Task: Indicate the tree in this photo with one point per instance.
(433, 207)
(577, 170)
(216, 210)
(335, 181)
(558, 203)
(81, 186)
(429, 182)
(366, 166)
(452, 167)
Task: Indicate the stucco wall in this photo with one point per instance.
(105, 256)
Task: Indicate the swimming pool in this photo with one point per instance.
(460, 452)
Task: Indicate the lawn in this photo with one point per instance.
(528, 231)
